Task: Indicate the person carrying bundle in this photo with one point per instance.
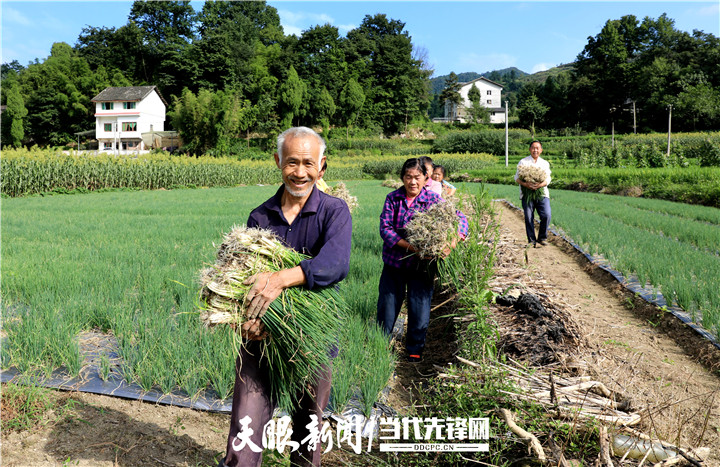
(410, 270)
(533, 176)
(319, 226)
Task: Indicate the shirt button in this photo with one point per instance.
(289, 230)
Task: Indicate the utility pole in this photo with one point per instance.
(506, 133)
(115, 138)
(669, 125)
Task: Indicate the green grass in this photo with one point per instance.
(694, 185)
(672, 246)
(127, 263)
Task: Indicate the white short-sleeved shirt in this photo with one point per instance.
(543, 164)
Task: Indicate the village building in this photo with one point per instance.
(490, 98)
(126, 118)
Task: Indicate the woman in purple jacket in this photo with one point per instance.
(404, 273)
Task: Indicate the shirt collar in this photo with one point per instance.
(311, 205)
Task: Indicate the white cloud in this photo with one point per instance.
(297, 22)
(292, 30)
(712, 10)
(482, 63)
(541, 67)
(11, 15)
(345, 28)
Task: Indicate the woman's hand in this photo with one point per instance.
(449, 248)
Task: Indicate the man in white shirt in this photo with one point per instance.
(542, 205)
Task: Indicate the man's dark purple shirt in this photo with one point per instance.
(322, 230)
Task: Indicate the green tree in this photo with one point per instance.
(167, 30)
(320, 58)
(292, 92)
(450, 95)
(532, 111)
(380, 54)
(12, 121)
(232, 35)
(606, 66)
(57, 95)
(698, 102)
(326, 109)
(478, 112)
(352, 99)
(211, 120)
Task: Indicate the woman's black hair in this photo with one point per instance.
(442, 169)
(412, 163)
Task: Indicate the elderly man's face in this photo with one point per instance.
(300, 164)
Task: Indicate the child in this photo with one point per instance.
(439, 176)
(430, 183)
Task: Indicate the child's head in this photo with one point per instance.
(428, 163)
(438, 173)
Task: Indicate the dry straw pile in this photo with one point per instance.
(432, 230)
(341, 191)
(302, 324)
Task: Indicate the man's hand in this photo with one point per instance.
(253, 329)
(266, 287)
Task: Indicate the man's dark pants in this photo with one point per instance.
(251, 397)
(542, 206)
(395, 284)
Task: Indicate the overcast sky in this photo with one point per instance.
(457, 36)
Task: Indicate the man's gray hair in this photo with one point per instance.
(299, 131)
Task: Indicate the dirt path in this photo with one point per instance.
(628, 346)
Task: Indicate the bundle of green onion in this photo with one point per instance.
(341, 191)
(531, 174)
(302, 324)
(432, 230)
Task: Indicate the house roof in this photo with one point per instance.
(482, 78)
(130, 93)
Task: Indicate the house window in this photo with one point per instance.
(489, 101)
(489, 93)
(107, 105)
(128, 105)
(492, 114)
(129, 126)
(107, 145)
(107, 126)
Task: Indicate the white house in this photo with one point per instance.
(122, 115)
(490, 97)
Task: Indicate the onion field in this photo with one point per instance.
(673, 247)
(127, 264)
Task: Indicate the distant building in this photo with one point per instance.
(122, 115)
(490, 97)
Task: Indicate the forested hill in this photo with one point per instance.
(437, 84)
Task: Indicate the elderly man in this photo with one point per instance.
(315, 224)
(542, 205)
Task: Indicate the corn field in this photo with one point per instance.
(34, 171)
